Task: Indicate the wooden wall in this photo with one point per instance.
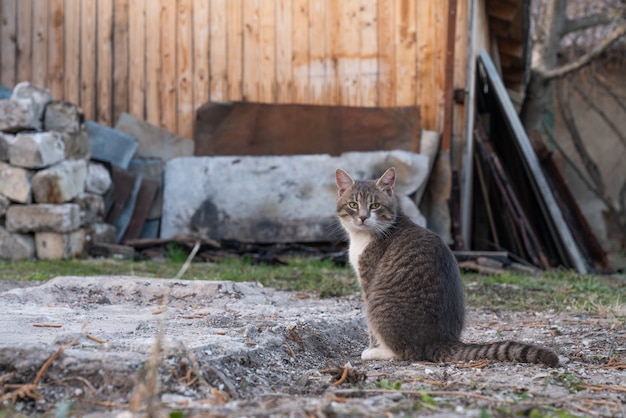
(161, 59)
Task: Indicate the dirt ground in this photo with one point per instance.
(223, 349)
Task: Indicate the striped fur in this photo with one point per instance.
(411, 282)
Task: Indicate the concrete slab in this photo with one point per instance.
(110, 145)
(274, 199)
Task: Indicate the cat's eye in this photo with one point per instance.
(374, 205)
(353, 205)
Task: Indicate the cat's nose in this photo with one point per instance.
(362, 218)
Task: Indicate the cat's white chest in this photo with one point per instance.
(358, 243)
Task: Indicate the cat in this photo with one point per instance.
(411, 282)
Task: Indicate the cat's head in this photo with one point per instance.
(366, 205)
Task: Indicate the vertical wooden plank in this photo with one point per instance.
(426, 91)
(284, 51)
(104, 58)
(137, 55)
(120, 58)
(168, 65)
(24, 40)
(368, 89)
(153, 62)
(251, 49)
(40, 43)
(318, 58)
(234, 45)
(184, 70)
(406, 53)
(87, 59)
(8, 34)
(348, 59)
(218, 86)
(300, 59)
(56, 50)
(201, 53)
(71, 80)
(386, 54)
(440, 28)
(267, 44)
(333, 42)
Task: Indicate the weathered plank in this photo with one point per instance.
(386, 46)
(333, 53)
(137, 55)
(234, 50)
(348, 45)
(284, 51)
(88, 50)
(104, 103)
(8, 34)
(267, 45)
(200, 53)
(318, 58)
(168, 66)
(368, 54)
(71, 83)
(40, 44)
(251, 50)
(218, 84)
(184, 69)
(300, 59)
(153, 62)
(24, 39)
(406, 49)
(120, 58)
(55, 48)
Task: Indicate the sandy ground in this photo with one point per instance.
(231, 349)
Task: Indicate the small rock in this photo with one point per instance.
(36, 149)
(60, 183)
(35, 98)
(43, 217)
(15, 183)
(59, 246)
(64, 117)
(15, 246)
(98, 179)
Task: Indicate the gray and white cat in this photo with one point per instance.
(411, 282)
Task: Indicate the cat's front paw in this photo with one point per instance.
(377, 353)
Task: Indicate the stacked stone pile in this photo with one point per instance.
(51, 194)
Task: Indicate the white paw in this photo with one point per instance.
(377, 353)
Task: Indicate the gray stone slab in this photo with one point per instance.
(36, 149)
(5, 92)
(61, 182)
(110, 145)
(150, 229)
(16, 246)
(43, 217)
(154, 142)
(274, 199)
(15, 183)
(5, 141)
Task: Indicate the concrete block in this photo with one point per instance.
(274, 199)
(102, 233)
(15, 183)
(98, 178)
(60, 246)
(36, 149)
(63, 117)
(4, 205)
(154, 142)
(110, 145)
(15, 116)
(36, 98)
(61, 182)
(91, 207)
(15, 247)
(77, 145)
(43, 217)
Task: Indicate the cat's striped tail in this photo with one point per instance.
(500, 351)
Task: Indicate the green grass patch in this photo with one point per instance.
(559, 290)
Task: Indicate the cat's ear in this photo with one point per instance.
(343, 180)
(387, 180)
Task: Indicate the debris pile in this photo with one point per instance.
(51, 194)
